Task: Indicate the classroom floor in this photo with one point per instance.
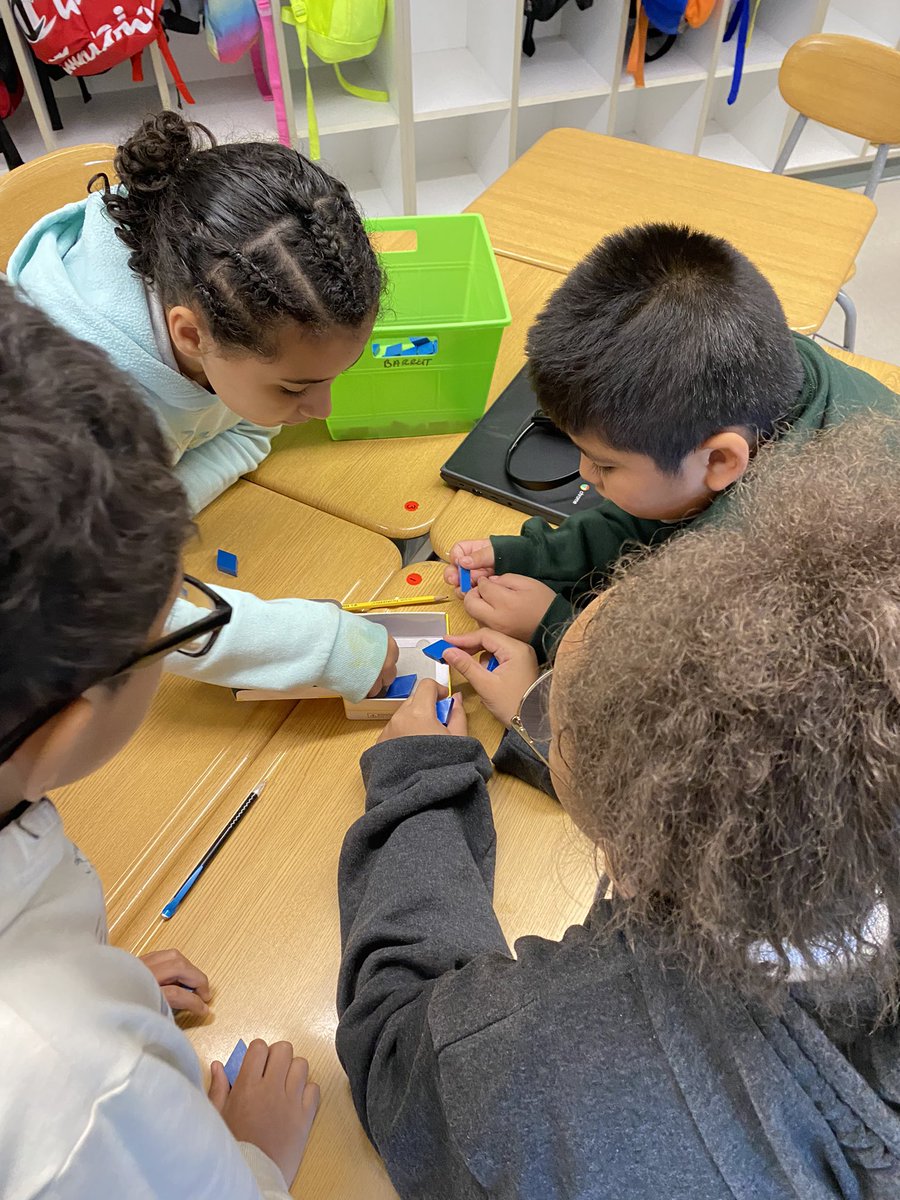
(876, 286)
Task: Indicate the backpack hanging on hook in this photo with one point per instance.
(87, 37)
(337, 31)
(543, 10)
(659, 22)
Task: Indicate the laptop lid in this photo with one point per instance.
(542, 455)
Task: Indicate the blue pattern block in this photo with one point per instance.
(234, 1062)
(226, 562)
(401, 688)
(437, 650)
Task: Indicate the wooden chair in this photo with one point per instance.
(850, 84)
(45, 184)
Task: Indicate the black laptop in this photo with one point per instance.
(515, 456)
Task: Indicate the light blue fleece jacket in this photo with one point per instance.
(72, 265)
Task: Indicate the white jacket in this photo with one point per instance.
(101, 1094)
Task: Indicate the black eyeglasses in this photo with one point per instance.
(195, 637)
(532, 721)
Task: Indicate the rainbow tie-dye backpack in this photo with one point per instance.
(235, 28)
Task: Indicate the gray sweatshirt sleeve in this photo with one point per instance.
(415, 882)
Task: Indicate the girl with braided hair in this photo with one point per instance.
(234, 283)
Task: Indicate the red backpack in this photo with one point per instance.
(87, 37)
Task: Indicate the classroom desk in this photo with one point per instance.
(371, 482)
(168, 787)
(572, 188)
(468, 517)
(264, 921)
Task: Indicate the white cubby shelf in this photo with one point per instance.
(464, 101)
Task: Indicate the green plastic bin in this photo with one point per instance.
(428, 365)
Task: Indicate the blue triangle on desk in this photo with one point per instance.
(234, 1061)
(437, 650)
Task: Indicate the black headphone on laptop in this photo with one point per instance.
(538, 422)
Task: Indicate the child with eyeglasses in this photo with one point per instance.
(102, 1093)
(724, 729)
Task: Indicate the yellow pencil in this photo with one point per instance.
(397, 602)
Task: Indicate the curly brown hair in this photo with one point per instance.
(731, 722)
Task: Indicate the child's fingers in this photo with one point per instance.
(297, 1076)
(489, 640)
(467, 666)
(477, 607)
(170, 967)
(219, 1087)
(451, 576)
(281, 1055)
(468, 641)
(476, 557)
(426, 694)
(494, 587)
(254, 1060)
(184, 1000)
(457, 723)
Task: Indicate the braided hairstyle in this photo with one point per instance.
(252, 234)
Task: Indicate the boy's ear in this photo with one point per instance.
(186, 331)
(41, 761)
(728, 455)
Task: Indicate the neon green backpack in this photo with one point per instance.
(337, 31)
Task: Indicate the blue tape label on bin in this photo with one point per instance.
(407, 352)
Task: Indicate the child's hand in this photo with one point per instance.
(511, 604)
(272, 1103)
(388, 671)
(416, 716)
(478, 556)
(502, 689)
(184, 986)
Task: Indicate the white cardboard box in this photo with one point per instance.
(411, 630)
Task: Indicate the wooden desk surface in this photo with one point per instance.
(264, 922)
(573, 188)
(370, 482)
(467, 517)
(167, 786)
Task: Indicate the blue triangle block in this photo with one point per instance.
(443, 708)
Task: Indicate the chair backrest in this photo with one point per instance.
(847, 83)
(45, 184)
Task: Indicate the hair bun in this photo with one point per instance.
(159, 149)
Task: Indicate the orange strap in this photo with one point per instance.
(698, 11)
(163, 43)
(635, 64)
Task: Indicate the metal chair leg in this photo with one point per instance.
(849, 310)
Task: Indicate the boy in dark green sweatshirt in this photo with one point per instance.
(666, 357)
